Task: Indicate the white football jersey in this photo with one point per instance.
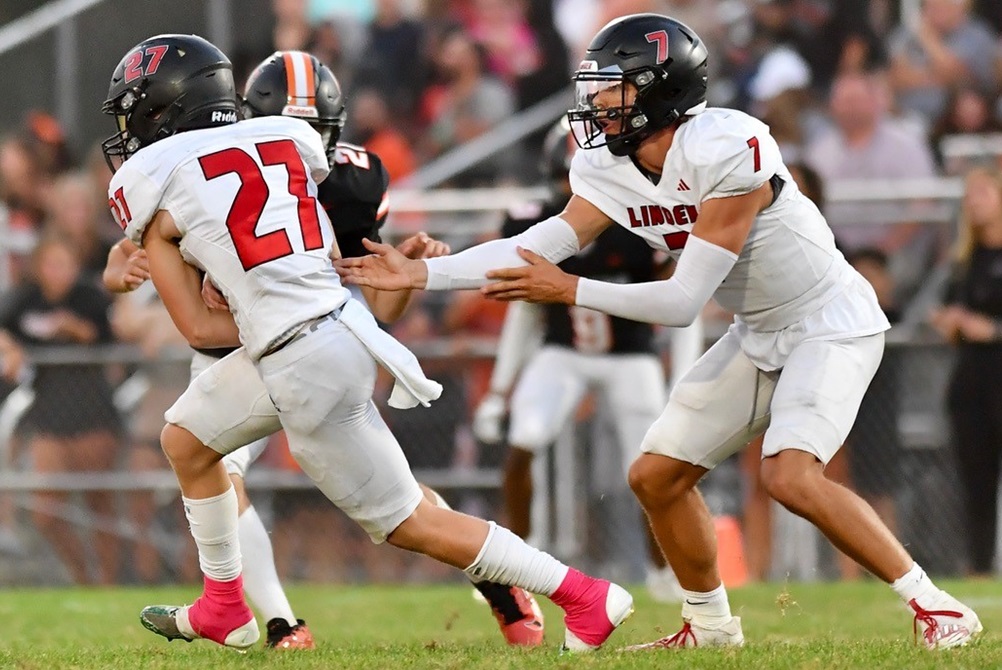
(244, 197)
(789, 266)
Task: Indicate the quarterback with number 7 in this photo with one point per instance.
(708, 186)
(238, 200)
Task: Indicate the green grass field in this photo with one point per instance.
(817, 627)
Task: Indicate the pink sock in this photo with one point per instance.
(583, 599)
(220, 609)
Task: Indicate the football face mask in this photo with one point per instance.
(605, 112)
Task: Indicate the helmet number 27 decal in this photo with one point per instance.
(252, 196)
(134, 65)
(660, 37)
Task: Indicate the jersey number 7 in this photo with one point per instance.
(252, 196)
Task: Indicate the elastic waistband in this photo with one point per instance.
(299, 332)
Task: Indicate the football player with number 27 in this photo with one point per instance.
(238, 201)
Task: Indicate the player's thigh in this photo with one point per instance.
(634, 387)
(547, 393)
(226, 406)
(715, 409)
(819, 393)
(237, 462)
(323, 386)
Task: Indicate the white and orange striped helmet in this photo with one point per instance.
(295, 83)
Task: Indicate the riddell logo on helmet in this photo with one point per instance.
(219, 116)
(301, 111)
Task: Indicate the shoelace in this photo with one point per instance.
(928, 617)
(680, 638)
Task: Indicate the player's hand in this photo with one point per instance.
(540, 281)
(487, 419)
(136, 271)
(386, 269)
(423, 245)
(212, 296)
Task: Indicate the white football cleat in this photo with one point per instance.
(944, 621)
(692, 635)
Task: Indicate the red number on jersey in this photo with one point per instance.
(252, 196)
(676, 241)
(756, 155)
(120, 208)
(134, 66)
(661, 38)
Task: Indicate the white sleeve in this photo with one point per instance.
(672, 302)
(521, 335)
(553, 239)
(732, 155)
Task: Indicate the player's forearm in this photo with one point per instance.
(554, 239)
(113, 276)
(387, 306)
(673, 302)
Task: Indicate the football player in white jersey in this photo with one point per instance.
(559, 352)
(199, 191)
(709, 187)
(354, 195)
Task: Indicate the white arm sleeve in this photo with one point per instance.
(553, 239)
(672, 302)
(521, 335)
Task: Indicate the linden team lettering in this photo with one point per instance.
(655, 215)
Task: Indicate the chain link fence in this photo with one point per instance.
(104, 484)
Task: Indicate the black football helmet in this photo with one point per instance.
(295, 83)
(662, 58)
(164, 85)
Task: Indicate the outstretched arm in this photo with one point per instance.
(713, 247)
(388, 306)
(554, 239)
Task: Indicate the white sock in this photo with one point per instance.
(709, 609)
(506, 558)
(213, 524)
(260, 576)
(914, 584)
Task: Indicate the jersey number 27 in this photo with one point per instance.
(252, 196)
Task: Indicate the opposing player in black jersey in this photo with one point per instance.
(354, 195)
(581, 350)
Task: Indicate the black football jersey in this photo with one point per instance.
(354, 197)
(616, 256)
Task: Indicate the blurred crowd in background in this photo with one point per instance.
(850, 89)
